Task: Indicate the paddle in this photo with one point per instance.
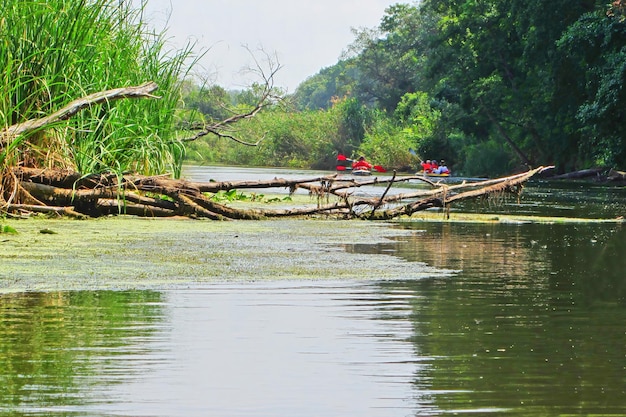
(412, 152)
(379, 168)
(343, 163)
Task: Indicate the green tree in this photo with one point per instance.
(304, 139)
(592, 55)
(321, 90)
(354, 121)
(416, 114)
(212, 101)
(495, 59)
(389, 58)
(386, 144)
(524, 82)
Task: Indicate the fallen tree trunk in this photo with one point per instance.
(615, 175)
(47, 191)
(445, 196)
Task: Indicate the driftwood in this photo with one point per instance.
(597, 174)
(615, 175)
(584, 173)
(64, 193)
(69, 194)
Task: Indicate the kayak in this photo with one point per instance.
(431, 174)
(361, 172)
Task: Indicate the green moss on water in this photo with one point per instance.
(125, 252)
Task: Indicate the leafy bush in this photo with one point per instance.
(387, 144)
(290, 139)
(487, 159)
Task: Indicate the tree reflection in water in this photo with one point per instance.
(53, 343)
(532, 324)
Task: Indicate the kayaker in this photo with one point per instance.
(361, 163)
(443, 169)
(427, 166)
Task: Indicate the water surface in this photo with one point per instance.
(441, 318)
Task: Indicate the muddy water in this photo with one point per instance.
(295, 318)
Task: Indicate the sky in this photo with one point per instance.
(304, 35)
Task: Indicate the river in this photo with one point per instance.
(299, 318)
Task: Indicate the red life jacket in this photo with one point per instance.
(361, 165)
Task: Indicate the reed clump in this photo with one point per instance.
(55, 51)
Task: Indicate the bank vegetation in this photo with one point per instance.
(98, 114)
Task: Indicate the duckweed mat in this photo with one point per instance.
(122, 253)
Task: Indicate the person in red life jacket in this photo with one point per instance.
(434, 166)
(426, 166)
(361, 163)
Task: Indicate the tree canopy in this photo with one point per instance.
(491, 87)
(517, 83)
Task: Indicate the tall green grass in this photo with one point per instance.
(54, 51)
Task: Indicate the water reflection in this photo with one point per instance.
(534, 323)
(305, 349)
(55, 348)
(556, 199)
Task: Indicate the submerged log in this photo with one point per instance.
(583, 173)
(160, 196)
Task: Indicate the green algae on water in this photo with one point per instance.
(125, 252)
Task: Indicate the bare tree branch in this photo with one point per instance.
(141, 91)
(267, 97)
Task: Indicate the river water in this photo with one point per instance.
(506, 318)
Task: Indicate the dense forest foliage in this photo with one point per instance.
(490, 86)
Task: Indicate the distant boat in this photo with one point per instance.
(432, 174)
(361, 172)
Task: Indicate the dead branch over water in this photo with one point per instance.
(67, 193)
(25, 190)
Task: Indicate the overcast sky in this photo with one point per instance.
(306, 35)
